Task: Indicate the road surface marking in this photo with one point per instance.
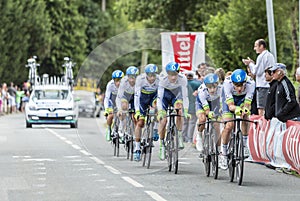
(38, 159)
(155, 196)
(77, 156)
(112, 170)
(133, 182)
(76, 146)
(85, 152)
(97, 160)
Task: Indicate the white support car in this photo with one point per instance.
(51, 104)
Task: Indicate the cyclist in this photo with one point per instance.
(125, 97)
(207, 104)
(110, 99)
(172, 90)
(145, 96)
(237, 95)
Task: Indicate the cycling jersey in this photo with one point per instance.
(205, 100)
(145, 93)
(168, 93)
(125, 93)
(230, 93)
(110, 95)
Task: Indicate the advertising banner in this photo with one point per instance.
(185, 48)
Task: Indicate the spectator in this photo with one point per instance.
(254, 109)
(5, 97)
(19, 94)
(190, 123)
(201, 69)
(1, 100)
(12, 98)
(264, 60)
(270, 107)
(298, 80)
(221, 74)
(286, 106)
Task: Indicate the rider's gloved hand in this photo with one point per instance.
(238, 110)
(108, 111)
(246, 111)
(137, 115)
(161, 114)
(186, 114)
(211, 115)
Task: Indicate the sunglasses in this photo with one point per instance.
(117, 79)
(172, 73)
(131, 76)
(151, 74)
(239, 84)
(214, 85)
(269, 72)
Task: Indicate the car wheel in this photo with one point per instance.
(28, 125)
(74, 125)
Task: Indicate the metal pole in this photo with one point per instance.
(271, 28)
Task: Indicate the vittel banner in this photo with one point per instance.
(185, 48)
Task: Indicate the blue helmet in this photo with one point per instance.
(117, 74)
(238, 76)
(132, 70)
(151, 68)
(173, 67)
(211, 78)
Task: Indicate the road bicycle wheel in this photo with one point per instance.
(149, 146)
(175, 149)
(206, 155)
(169, 147)
(144, 145)
(239, 158)
(214, 154)
(231, 158)
(116, 139)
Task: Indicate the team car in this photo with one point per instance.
(51, 104)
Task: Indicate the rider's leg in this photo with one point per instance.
(199, 141)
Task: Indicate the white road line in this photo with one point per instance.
(77, 160)
(77, 156)
(41, 179)
(85, 169)
(112, 170)
(80, 164)
(39, 164)
(40, 173)
(155, 196)
(76, 146)
(40, 168)
(184, 163)
(133, 182)
(38, 159)
(85, 152)
(68, 142)
(97, 160)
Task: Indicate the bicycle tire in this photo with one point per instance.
(206, 153)
(231, 158)
(175, 149)
(149, 146)
(116, 139)
(239, 158)
(143, 145)
(214, 154)
(131, 139)
(169, 145)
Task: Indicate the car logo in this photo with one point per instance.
(51, 109)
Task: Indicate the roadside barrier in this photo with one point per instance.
(275, 143)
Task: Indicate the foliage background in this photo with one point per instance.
(53, 29)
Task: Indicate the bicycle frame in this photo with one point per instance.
(129, 134)
(115, 134)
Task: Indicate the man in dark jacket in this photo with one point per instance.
(270, 100)
(286, 106)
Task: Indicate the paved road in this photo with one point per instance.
(62, 164)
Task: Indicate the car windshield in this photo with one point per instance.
(51, 94)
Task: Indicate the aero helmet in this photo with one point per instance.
(238, 76)
(151, 68)
(211, 78)
(172, 67)
(117, 74)
(132, 70)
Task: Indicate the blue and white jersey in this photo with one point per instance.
(110, 94)
(178, 88)
(230, 92)
(142, 85)
(204, 96)
(125, 92)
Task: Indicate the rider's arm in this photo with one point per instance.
(160, 94)
(250, 87)
(184, 88)
(108, 94)
(227, 90)
(120, 94)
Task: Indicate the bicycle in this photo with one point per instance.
(128, 135)
(236, 149)
(68, 76)
(33, 78)
(147, 137)
(115, 138)
(172, 139)
(210, 148)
